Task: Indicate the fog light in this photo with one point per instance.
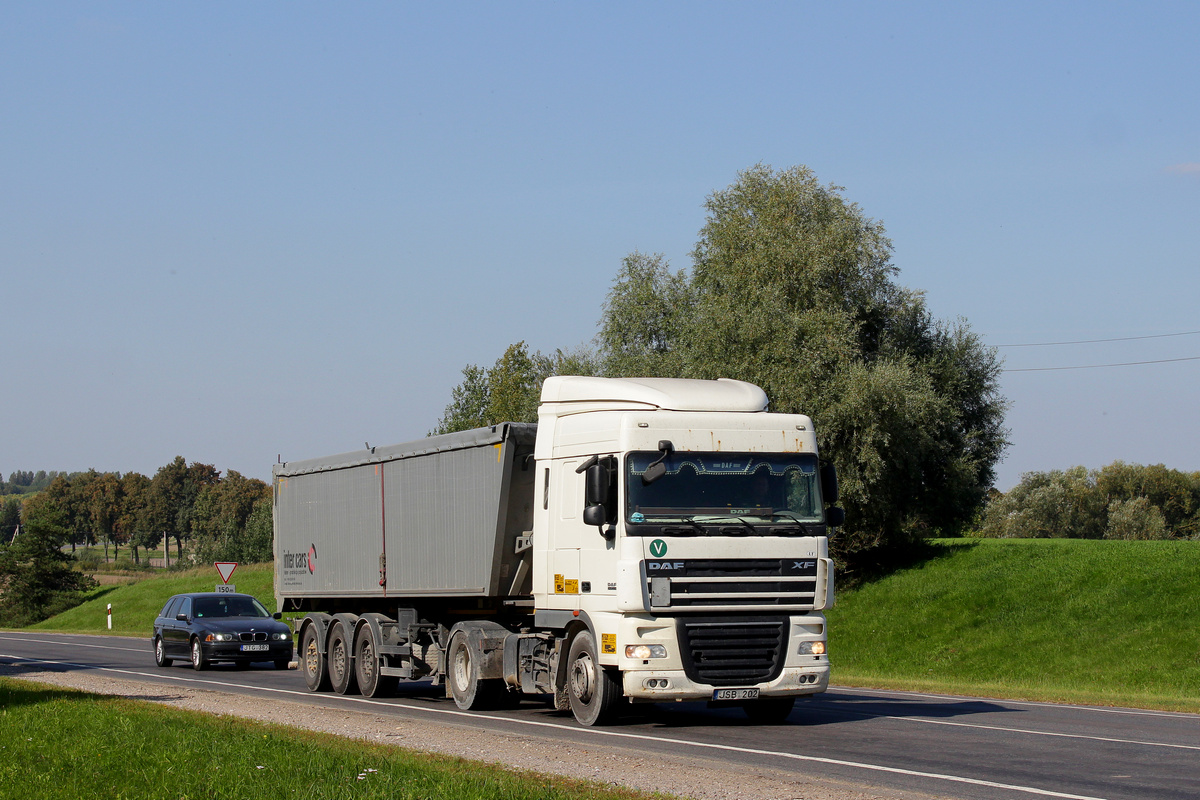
(812, 648)
(644, 651)
(656, 683)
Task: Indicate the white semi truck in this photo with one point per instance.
(648, 540)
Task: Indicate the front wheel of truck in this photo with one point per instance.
(594, 692)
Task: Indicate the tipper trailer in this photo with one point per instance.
(648, 540)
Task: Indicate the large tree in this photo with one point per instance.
(793, 288)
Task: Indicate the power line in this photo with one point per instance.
(1103, 366)
(1099, 341)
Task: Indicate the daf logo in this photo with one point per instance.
(662, 566)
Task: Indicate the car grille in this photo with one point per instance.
(729, 651)
(708, 583)
(253, 636)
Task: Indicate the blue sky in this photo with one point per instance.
(232, 232)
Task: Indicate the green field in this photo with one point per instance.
(58, 744)
(135, 605)
(1104, 622)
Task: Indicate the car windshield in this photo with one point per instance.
(230, 607)
(781, 488)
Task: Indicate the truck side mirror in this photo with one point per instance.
(597, 487)
(594, 515)
(835, 517)
(829, 486)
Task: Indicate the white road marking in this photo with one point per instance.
(1137, 712)
(603, 733)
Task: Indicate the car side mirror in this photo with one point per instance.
(277, 615)
(181, 617)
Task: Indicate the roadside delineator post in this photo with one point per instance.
(110, 616)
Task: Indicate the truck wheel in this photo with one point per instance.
(366, 666)
(770, 710)
(316, 669)
(160, 654)
(341, 662)
(594, 692)
(199, 662)
(469, 691)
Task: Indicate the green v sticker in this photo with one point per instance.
(658, 548)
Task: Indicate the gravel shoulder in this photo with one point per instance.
(696, 778)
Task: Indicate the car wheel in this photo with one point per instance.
(199, 662)
(769, 710)
(341, 661)
(313, 662)
(160, 653)
(366, 666)
(593, 691)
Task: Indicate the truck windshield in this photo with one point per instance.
(756, 488)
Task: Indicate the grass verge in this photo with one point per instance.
(135, 605)
(1096, 622)
(129, 749)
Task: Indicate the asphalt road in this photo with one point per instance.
(942, 745)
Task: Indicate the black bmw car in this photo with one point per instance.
(209, 626)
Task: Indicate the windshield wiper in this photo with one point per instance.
(689, 526)
(793, 518)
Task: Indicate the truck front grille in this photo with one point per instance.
(709, 583)
(733, 651)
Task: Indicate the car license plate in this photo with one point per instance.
(735, 694)
(254, 648)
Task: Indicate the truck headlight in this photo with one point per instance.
(812, 648)
(645, 651)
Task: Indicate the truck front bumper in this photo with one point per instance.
(660, 686)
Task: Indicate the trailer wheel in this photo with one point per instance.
(316, 669)
(470, 692)
(594, 692)
(366, 666)
(341, 661)
(769, 710)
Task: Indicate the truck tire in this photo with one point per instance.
(340, 657)
(470, 692)
(769, 710)
(594, 692)
(366, 666)
(312, 661)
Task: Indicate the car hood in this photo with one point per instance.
(237, 624)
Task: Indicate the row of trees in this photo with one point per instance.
(223, 518)
(26, 481)
(1120, 501)
(792, 287)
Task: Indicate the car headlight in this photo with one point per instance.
(219, 637)
(644, 651)
(279, 637)
(812, 648)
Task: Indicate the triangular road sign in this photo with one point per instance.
(226, 569)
